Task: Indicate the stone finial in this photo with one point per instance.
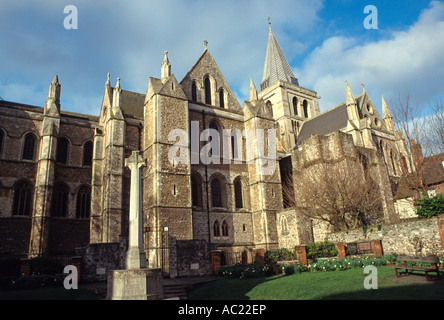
(52, 105)
(387, 116)
(165, 70)
(107, 78)
(252, 91)
(206, 44)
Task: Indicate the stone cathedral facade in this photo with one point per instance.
(64, 185)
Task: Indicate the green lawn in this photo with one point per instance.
(348, 285)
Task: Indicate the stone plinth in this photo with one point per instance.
(136, 284)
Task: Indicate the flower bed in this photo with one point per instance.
(317, 265)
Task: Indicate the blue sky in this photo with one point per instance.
(325, 42)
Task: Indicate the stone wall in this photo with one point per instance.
(189, 258)
(14, 235)
(417, 237)
(100, 258)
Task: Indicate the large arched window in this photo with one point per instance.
(87, 153)
(83, 202)
(207, 85)
(59, 206)
(62, 150)
(238, 193)
(305, 105)
(196, 191)
(2, 139)
(295, 106)
(221, 98)
(22, 205)
(216, 193)
(213, 125)
(224, 229)
(193, 91)
(28, 147)
(393, 162)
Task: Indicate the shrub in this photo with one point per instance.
(429, 207)
(321, 249)
(289, 270)
(273, 256)
(46, 265)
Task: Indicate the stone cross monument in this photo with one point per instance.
(136, 282)
(135, 257)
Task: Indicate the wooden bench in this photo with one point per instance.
(433, 261)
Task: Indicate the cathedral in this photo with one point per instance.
(64, 184)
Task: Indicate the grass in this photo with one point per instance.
(338, 285)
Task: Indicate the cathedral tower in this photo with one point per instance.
(291, 103)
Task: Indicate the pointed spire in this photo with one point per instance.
(387, 116)
(52, 105)
(352, 107)
(252, 91)
(276, 66)
(107, 79)
(165, 69)
(348, 94)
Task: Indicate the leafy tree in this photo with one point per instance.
(429, 207)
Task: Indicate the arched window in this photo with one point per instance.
(213, 125)
(216, 229)
(2, 138)
(193, 92)
(23, 192)
(83, 202)
(224, 229)
(295, 106)
(196, 192)
(59, 206)
(87, 153)
(62, 150)
(305, 104)
(238, 193)
(207, 91)
(221, 98)
(216, 193)
(393, 162)
(284, 224)
(28, 147)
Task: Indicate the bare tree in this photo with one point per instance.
(407, 118)
(435, 128)
(342, 194)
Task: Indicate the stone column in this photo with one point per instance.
(377, 248)
(341, 249)
(302, 254)
(441, 229)
(135, 258)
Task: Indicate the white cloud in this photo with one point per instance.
(128, 38)
(409, 60)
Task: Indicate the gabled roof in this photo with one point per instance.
(276, 66)
(433, 169)
(325, 123)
